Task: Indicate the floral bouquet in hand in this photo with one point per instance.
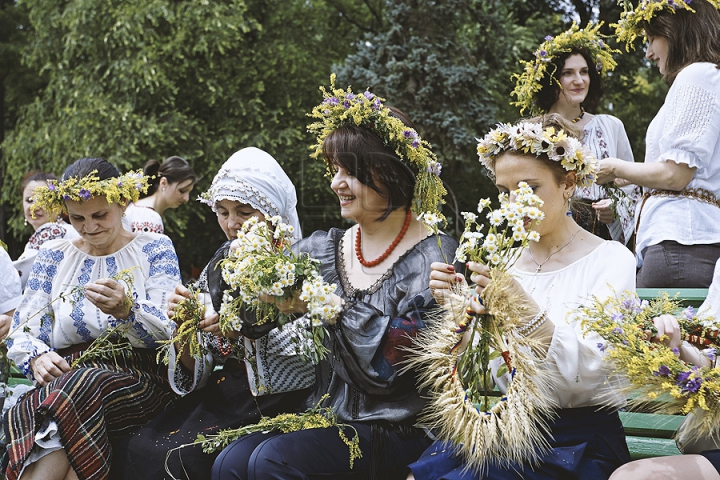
(487, 426)
(188, 314)
(264, 264)
(656, 372)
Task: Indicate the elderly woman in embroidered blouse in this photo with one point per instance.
(379, 267)
(571, 85)
(678, 233)
(61, 430)
(268, 379)
(566, 267)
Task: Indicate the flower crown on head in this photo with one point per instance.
(632, 21)
(52, 197)
(343, 107)
(532, 138)
(528, 82)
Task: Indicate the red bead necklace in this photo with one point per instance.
(224, 350)
(377, 261)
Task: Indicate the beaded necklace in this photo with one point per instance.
(388, 251)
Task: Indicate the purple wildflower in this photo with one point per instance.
(377, 104)
(369, 95)
(326, 112)
(51, 187)
(618, 331)
(119, 184)
(548, 38)
(435, 168)
(331, 101)
(601, 346)
(415, 143)
(67, 197)
(617, 317)
(629, 303)
(350, 96)
(543, 53)
(687, 384)
(346, 104)
(625, 342)
(676, 351)
(409, 134)
(689, 313)
(663, 371)
(711, 353)
(85, 194)
(601, 43)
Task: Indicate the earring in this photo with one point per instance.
(25, 222)
(569, 212)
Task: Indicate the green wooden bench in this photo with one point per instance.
(651, 434)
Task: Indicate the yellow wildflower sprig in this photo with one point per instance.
(633, 19)
(625, 324)
(589, 39)
(343, 107)
(264, 264)
(122, 189)
(315, 417)
(189, 312)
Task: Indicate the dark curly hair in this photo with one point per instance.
(550, 91)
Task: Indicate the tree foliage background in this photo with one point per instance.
(132, 80)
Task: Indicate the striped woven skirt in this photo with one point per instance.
(100, 400)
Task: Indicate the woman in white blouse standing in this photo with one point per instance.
(678, 228)
(565, 77)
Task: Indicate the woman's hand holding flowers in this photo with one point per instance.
(109, 296)
(668, 332)
(442, 278)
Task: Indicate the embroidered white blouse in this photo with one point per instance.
(54, 323)
(10, 290)
(605, 136)
(685, 130)
(581, 377)
(142, 219)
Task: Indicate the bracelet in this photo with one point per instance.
(533, 324)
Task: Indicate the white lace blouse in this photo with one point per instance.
(605, 136)
(685, 130)
(45, 322)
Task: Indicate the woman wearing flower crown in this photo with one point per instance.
(678, 233)
(272, 379)
(564, 268)
(46, 227)
(107, 279)
(565, 78)
(382, 173)
(170, 186)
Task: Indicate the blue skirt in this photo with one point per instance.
(586, 444)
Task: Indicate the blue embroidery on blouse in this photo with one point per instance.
(143, 334)
(77, 313)
(46, 322)
(111, 266)
(162, 257)
(44, 270)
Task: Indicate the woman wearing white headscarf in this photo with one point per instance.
(270, 379)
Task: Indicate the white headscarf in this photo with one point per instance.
(254, 177)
